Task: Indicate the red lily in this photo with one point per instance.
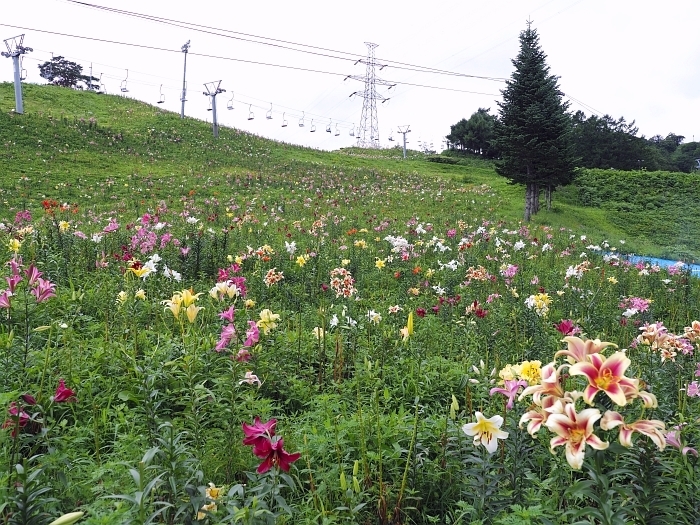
(63, 393)
(275, 455)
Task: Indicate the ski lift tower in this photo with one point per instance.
(14, 50)
(213, 89)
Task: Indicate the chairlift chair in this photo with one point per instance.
(229, 104)
(123, 86)
(352, 131)
(284, 120)
(313, 126)
(210, 108)
(328, 129)
(268, 116)
(162, 97)
(22, 71)
(391, 136)
(337, 132)
(251, 115)
(301, 120)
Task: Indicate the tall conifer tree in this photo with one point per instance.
(533, 132)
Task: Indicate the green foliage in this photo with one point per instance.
(475, 135)
(61, 72)
(533, 131)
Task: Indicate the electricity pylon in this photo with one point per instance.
(14, 50)
(368, 134)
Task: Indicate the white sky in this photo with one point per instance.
(633, 58)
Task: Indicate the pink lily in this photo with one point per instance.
(227, 315)
(12, 282)
(32, 274)
(672, 439)
(578, 349)
(652, 428)
(604, 374)
(510, 390)
(252, 334)
(43, 290)
(575, 431)
(227, 333)
(5, 298)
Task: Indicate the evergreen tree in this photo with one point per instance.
(533, 133)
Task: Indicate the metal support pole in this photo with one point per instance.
(185, 48)
(14, 50)
(19, 107)
(213, 89)
(403, 132)
(215, 122)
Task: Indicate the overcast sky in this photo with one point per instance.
(633, 58)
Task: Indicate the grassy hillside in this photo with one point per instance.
(98, 150)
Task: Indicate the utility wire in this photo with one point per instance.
(204, 55)
(211, 30)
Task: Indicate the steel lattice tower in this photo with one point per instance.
(368, 133)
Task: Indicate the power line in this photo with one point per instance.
(211, 30)
(217, 57)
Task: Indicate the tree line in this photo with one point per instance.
(598, 142)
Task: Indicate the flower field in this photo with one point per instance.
(335, 344)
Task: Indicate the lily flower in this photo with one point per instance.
(575, 431)
(652, 428)
(192, 311)
(672, 439)
(43, 290)
(510, 390)
(274, 455)
(258, 432)
(252, 334)
(550, 385)
(604, 374)
(267, 321)
(538, 414)
(5, 298)
(63, 393)
(486, 431)
(578, 349)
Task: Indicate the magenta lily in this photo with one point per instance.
(63, 393)
(258, 432)
(274, 455)
(43, 290)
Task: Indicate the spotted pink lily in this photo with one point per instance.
(575, 431)
(605, 374)
(652, 428)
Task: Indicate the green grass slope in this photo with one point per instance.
(97, 150)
